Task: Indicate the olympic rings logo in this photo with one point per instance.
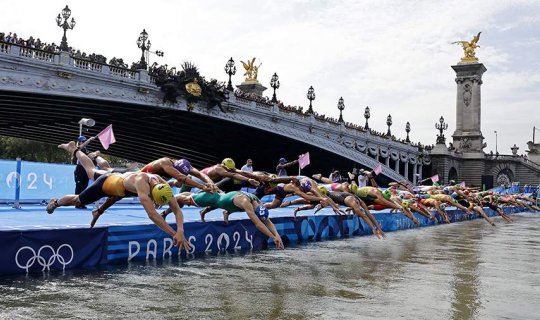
(45, 261)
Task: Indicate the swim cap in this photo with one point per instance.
(182, 165)
(454, 195)
(405, 204)
(262, 212)
(353, 188)
(322, 189)
(162, 193)
(305, 185)
(282, 160)
(446, 190)
(228, 163)
(81, 139)
(387, 194)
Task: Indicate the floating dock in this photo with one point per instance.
(33, 241)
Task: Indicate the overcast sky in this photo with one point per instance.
(393, 56)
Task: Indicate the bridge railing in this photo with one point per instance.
(87, 65)
(524, 161)
(123, 73)
(27, 52)
(70, 61)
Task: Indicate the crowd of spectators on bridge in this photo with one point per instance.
(36, 43)
(30, 42)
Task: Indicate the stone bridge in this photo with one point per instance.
(487, 169)
(43, 95)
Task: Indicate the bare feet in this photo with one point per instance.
(69, 147)
(53, 204)
(202, 213)
(95, 216)
(165, 213)
(295, 212)
(226, 216)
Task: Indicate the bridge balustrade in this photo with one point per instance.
(87, 65)
(123, 73)
(37, 54)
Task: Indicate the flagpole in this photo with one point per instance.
(299, 169)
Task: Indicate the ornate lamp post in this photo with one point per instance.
(311, 97)
(274, 83)
(230, 69)
(66, 13)
(496, 143)
(367, 115)
(441, 126)
(144, 46)
(341, 106)
(407, 129)
(389, 123)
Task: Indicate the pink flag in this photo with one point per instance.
(377, 169)
(106, 137)
(303, 160)
(462, 184)
(435, 178)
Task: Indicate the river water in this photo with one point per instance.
(465, 270)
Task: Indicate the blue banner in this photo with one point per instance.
(46, 250)
(38, 181)
(148, 242)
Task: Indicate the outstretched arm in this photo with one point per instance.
(277, 238)
(143, 192)
(182, 178)
(179, 238)
(244, 203)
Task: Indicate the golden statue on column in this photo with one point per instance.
(252, 70)
(468, 49)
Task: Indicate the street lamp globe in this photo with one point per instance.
(66, 13)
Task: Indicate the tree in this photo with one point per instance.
(28, 150)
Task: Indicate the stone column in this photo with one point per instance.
(415, 171)
(468, 137)
(407, 170)
(397, 165)
(252, 87)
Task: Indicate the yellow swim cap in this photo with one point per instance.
(162, 193)
(353, 188)
(322, 189)
(228, 163)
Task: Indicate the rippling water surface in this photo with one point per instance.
(459, 271)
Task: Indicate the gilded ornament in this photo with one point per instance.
(194, 88)
(468, 49)
(252, 70)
